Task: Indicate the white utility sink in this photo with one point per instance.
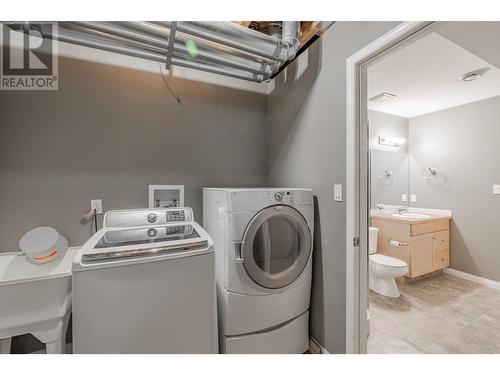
(411, 215)
(36, 299)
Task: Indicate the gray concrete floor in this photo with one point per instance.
(442, 314)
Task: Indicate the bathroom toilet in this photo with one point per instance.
(383, 269)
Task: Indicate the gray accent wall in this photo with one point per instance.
(306, 148)
(108, 133)
(462, 143)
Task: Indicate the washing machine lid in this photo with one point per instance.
(276, 246)
(139, 242)
(145, 235)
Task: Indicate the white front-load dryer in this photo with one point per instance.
(263, 244)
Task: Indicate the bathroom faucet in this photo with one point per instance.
(402, 209)
(379, 206)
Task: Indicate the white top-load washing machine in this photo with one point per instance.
(145, 283)
(263, 241)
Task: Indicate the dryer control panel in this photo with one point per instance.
(253, 200)
(292, 198)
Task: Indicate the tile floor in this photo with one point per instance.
(442, 314)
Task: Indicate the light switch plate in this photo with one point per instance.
(404, 198)
(496, 189)
(413, 198)
(337, 193)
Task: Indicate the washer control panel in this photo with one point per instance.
(147, 216)
(178, 215)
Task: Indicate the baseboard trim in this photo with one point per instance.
(315, 347)
(468, 276)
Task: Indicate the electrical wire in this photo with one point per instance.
(178, 98)
(95, 219)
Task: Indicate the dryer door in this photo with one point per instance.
(276, 246)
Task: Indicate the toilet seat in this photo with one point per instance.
(387, 261)
(384, 264)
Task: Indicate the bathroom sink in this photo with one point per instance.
(411, 215)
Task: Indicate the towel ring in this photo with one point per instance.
(429, 173)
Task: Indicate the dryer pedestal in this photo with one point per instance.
(289, 338)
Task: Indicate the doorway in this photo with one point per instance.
(401, 203)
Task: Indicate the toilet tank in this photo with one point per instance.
(372, 240)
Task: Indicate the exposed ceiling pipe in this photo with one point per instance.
(235, 36)
(204, 54)
(164, 32)
(290, 39)
(94, 41)
(219, 47)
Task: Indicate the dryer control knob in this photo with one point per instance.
(279, 196)
(152, 218)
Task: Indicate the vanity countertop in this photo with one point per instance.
(389, 217)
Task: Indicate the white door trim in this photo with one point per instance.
(355, 294)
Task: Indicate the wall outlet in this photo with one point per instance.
(496, 189)
(413, 198)
(337, 193)
(404, 198)
(96, 204)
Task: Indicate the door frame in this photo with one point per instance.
(357, 182)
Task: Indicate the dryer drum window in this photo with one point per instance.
(276, 246)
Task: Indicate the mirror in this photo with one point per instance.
(389, 160)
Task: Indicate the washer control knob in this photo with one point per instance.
(279, 196)
(152, 232)
(152, 218)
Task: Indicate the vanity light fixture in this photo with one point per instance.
(472, 76)
(385, 140)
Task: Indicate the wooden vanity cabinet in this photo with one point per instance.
(425, 247)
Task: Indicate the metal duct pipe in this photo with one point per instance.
(151, 28)
(290, 39)
(228, 49)
(237, 37)
(179, 49)
(93, 41)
